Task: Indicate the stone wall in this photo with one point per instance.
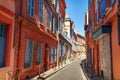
(105, 62)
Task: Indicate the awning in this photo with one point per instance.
(102, 31)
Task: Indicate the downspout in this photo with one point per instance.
(19, 30)
(111, 53)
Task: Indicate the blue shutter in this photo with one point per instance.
(2, 43)
(39, 54)
(103, 8)
(29, 53)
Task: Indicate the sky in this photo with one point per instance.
(76, 10)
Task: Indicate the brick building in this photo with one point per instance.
(104, 31)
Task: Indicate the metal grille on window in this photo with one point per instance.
(29, 53)
(2, 43)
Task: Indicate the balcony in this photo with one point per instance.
(102, 31)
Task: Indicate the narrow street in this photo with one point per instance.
(70, 72)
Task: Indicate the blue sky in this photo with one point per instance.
(76, 10)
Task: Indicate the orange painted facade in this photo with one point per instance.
(106, 41)
(30, 28)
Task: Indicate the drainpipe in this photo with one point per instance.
(111, 53)
(19, 30)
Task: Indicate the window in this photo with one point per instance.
(89, 3)
(112, 1)
(55, 25)
(2, 44)
(39, 54)
(102, 8)
(41, 4)
(49, 18)
(53, 54)
(62, 48)
(29, 53)
(30, 7)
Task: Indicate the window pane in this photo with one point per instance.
(39, 54)
(29, 53)
(2, 43)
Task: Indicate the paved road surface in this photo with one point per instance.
(70, 72)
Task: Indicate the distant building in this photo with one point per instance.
(79, 44)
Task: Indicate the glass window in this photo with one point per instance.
(30, 7)
(39, 54)
(52, 55)
(29, 53)
(55, 25)
(49, 18)
(103, 8)
(112, 1)
(2, 44)
(41, 5)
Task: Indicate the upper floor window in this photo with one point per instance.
(41, 5)
(49, 18)
(55, 25)
(112, 1)
(89, 3)
(31, 7)
(52, 55)
(39, 54)
(2, 44)
(102, 8)
(29, 53)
